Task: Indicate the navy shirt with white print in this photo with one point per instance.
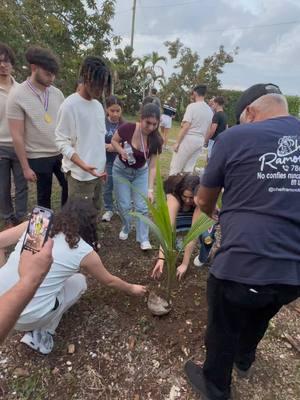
(258, 164)
(111, 128)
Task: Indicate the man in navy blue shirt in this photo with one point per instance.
(257, 268)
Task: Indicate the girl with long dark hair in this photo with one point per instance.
(113, 121)
(180, 190)
(146, 143)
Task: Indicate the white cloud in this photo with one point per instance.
(269, 42)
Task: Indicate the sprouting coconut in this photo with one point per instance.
(161, 226)
(157, 305)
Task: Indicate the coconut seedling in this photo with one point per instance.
(165, 233)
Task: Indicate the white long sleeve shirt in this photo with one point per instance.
(81, 129)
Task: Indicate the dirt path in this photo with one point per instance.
(122, 352)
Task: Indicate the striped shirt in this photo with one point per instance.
(23, 104)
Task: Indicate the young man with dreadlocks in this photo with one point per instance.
(80, 132)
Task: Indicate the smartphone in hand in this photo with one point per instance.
(39, 226)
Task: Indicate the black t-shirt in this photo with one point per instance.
(169, 110)
(258, 164)
(219, 118)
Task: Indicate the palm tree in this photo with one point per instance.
(150, 72)
(158, 73)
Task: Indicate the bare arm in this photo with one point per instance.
(151, 177)
(181, 270)
(185, 126)
(93, 265)
(17, 130)
(190, 247)
(116, 143)
(207, 199)
(210, 133)
(10, 237)
(32, 270)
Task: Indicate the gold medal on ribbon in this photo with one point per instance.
(48, 118)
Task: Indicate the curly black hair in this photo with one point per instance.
(8, 53)
(77, 220)
(44, 58)
(94, 71)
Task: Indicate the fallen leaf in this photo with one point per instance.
(71, 348)
(131, 342)
(21, 372)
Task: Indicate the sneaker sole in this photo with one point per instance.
(33, 347)
(195, 389)
(243, 374)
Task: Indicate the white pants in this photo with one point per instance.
(71, 292)
(187, 155)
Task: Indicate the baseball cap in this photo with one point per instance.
(253, 93)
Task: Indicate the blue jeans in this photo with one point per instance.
(124, 196)
(108, 188)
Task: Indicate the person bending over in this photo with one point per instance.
(183, 213)
(146, 143)
(74, 236)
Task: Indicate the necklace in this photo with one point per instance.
(44, 98)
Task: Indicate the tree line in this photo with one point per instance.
(75, 28)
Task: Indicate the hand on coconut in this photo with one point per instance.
(138, 290)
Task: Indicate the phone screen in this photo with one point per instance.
(38, 228)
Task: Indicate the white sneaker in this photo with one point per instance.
(39, 340)
(107, 216)
(123, 235)
(146, 245)
(197, 262)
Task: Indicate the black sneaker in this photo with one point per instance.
(197, 380)
(243, 373)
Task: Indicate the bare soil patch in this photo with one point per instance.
(123, 352)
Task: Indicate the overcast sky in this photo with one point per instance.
(266, 31)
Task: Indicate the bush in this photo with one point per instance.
(232, 96)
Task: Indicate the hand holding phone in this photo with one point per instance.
(38, 229)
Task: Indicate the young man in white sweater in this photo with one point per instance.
(80, 132)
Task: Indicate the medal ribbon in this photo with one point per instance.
(143, 146)
(45, 100)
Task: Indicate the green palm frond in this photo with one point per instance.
(160, 225)
(199, 227)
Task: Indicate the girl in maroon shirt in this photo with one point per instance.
(146, 143)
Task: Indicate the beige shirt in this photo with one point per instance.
(23, 104)
(5, 137)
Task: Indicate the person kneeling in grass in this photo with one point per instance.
(184, 212)
(74, 241)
